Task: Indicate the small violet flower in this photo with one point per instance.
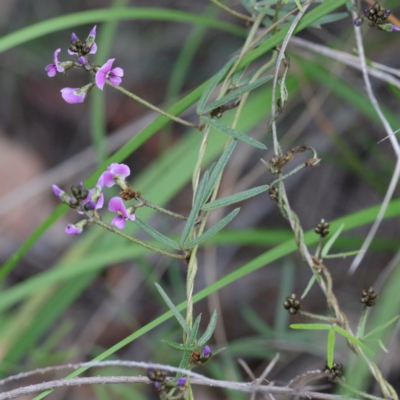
(52, 69)
(206, 351)
(76, 229)
(181, 382)
(94, 199)
(107, 73)
(73, 95)
(114, 171)
(77, 46)
(117, 205)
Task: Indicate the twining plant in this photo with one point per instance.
(227, 91)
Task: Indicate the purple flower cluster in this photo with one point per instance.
(81, 50)
(87, 202)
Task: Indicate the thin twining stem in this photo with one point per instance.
(154, 108)
(147, 203)
(196, 379)
(136, 241)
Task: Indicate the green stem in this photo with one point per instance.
(230, 11)
(319, 247)
(316, 316)
(152, 107)
(136, 241)
(160, 209)
(277, 9)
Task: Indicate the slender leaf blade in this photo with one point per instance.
(198, 202)
(234, 94)
(195, 330)
(210, 329)
(353, 339)
(331, 241)
(157, 235)
(218, 168)
(213, 84)
(174, 310)
(309, 286)
(178, 346)
(312, 327)
(381, 327)
(330, 348)
(233, 133)
(235, 198)
(212, 231)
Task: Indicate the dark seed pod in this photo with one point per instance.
(368, 297)
(292, 304)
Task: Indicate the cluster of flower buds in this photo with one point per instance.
(164, 386)
(377, 17)
(335, 373)
(89, 201)
(81, 51)
(368, 297)
(197, 358)
(322, 228)
(292, 304)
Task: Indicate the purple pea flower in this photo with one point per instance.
(94, 199)
(115, 170)
(52, 69)
(206, 351)
(117, 205)
(73, 95)
(76, 229)
(107, 73)
(73, 230)
(181, 382)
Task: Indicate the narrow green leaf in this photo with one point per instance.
(235, 198)
(215, 352)
(213, 84)
(174, 310)
(382, 346)
(233, 133)
(198, 202)
(309, 286)
(212, 231)
(157, 235)
(331, 241)
(381, 327)
(179, 346)
(217, 169)
(234, 94)
(195, 330)
(210, 329)
(353, 339)
(330, 348)
(343, 255)
(311, 326)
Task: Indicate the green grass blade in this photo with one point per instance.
(235, 198)
(103, 15)
(233, 133)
